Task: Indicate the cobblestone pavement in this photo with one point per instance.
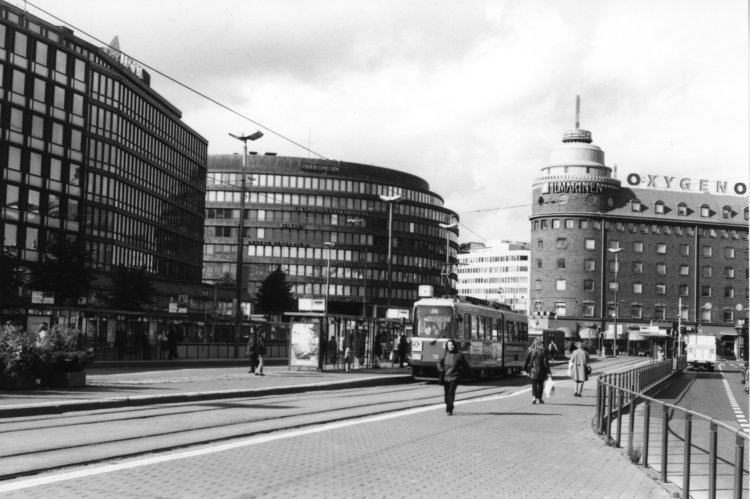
(500, 446)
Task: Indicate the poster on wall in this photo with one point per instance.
(304, 349)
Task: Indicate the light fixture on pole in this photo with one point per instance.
(447, 227)
(241, 239)
(324, 331)
(617, 287)
(393, 198)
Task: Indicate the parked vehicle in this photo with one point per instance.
(701, 351)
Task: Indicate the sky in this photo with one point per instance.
(471, 96)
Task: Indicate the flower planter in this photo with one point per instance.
(65, 379)
(18, 382)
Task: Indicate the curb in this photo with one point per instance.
(108, 403)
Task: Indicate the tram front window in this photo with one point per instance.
(434, 322)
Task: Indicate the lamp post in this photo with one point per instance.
(324, 331)
(447, 227)
(241, 239)
(394, 198)
(617, 287)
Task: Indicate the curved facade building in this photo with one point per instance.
(302, 212)
(686, 246)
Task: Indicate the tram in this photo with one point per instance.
(492, 337)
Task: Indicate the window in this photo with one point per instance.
(611, 267)
(728, 252)
(637, 267)
(569, 224)
(589, 265)
(539, 263)
(659, 208)
(707, 251)
(684, 290)
(706, 271)
(538, 285)
(590, 244)
(556, 223)
(560, 285)
(588, 309)
(588, 285)
(539, 244)
(561, 263)
(729, 272)
(661, 268)
(728, 315)
(682, 209)
(706, 315)
(684, 269)
(614, 285)
(561, 243)
(705, 210)
(638, 247)
(728, 292)
(560, 308)
(637, 288)
(635, 206)
(636, 311)
(706, 291)
(684, 250)
(659, 312)
(661, 248)
(583, 224)
(661, 289)
(726, 212)
(543, 224)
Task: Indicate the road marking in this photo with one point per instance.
(738, 413)
(109, 468)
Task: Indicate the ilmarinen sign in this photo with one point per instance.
(577, 187)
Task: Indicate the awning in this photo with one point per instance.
(718, 331)
(569, 333)
(588, 333)
(636, 335)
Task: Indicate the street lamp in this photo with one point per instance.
(240, 239)
(617, 287)
(394, 198)
(328, 245)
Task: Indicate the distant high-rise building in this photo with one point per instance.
(497, 273)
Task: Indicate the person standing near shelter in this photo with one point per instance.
(260, 352)
(250, 351)
(552, 349)
(537, 366)
(450, 367)
(403, 349)
(579, 367)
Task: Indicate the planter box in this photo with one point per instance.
(64, 379)
(21, 382)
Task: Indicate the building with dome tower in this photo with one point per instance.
(638, 258)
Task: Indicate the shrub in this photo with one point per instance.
(24, 353)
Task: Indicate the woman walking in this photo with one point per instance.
(579, 367)
(537, 365)
(450, 367)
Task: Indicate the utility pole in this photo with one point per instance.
(241, 240)
(679, 327)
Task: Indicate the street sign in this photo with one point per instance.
(397, 313)
(311, 304)
(426, 291)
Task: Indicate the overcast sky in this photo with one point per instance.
(471, 96)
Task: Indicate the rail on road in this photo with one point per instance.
(696, 455)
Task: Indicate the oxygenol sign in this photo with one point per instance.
(686, 184)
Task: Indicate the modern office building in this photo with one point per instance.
(497, 273)
(91, 154)
(641, 254)
(327, 222)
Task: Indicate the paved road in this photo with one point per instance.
(496, 445)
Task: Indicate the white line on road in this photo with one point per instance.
(109, 468)
(738, 413)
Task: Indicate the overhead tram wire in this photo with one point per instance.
(183, 85)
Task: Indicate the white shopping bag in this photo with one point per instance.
(549, 387)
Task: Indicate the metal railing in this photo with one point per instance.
(622, 393)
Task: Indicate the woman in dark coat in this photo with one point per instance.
(537, 365)
(403, 349)
(450, 367)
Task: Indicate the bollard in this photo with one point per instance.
(631, 425)
(712, 448)
(620, 397)
(646, 430)
(599, 405)
(664, 441)
(610, 404)
(686, 455)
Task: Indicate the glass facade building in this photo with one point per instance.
(322, 219)
(91, 154)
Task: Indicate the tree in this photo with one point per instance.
(132, 289)
(63, 272)
(11, 277)
(275, 293)
(226, 279)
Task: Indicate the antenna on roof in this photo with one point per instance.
(578, 111)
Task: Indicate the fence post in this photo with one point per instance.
(646, 430)
(739, 462)
(664, 441)
(712, 446)
(620, 397)
(631, 424)
(599, 404)
(686, 454)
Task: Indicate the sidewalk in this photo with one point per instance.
(153, 383)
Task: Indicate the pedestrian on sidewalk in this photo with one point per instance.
(579, 367)
(403, 350)
(537, 366)
(250, 350)
(348, 359)
(450, 367)
(257, 348)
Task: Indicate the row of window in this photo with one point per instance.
(589, 265)
(490, 270)
(638, 247)
(637, 287)
(493, 259)
(107, 257)
(636, 311)
(633, 227)
(492, 280)
(705, 210)
(324, 184)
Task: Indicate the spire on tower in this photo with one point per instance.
(578, 111)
